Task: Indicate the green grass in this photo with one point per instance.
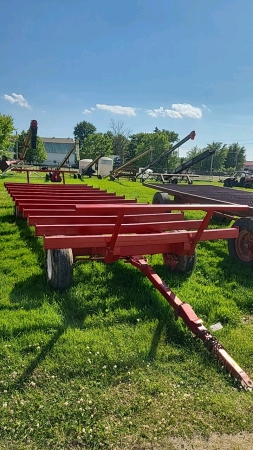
(104, 364)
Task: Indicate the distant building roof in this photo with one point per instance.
(249, 163)
(58, 140)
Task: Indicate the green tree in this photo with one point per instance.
(160, 143)
(6, 137)
(218, 159)
(95, 144)
(236, 157)
(195, 151)
(173, 137)
(32, 156)
(82, 130)
(215, 161)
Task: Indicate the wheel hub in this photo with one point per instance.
(244, 246)
(170, 260)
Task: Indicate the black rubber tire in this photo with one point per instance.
(228, 183)
(241, 248)
(59, 268)
(161, 198)
(185, 264)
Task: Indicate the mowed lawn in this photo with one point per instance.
(104, 364)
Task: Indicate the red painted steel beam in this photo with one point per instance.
(47, 191)
(53, 188)
(66, 211)
(98, 209)
(67, 205)
(161, 240)
(94, 228)
(77, 219)
(63, 196)
(193, 322)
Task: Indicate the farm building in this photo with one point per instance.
(56, 149)
(249, 166)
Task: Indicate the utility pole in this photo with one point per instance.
(16, 145)
(211, 167)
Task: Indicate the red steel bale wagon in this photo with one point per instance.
(241, 248)
(86, 223)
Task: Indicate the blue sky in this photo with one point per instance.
(181, 65)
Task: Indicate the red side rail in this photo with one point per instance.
(68, 205)
(76, 219)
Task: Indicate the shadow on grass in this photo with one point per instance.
(133, 292)
(19, 382)
(30, 293)
(122, 288)
(233, 270)
(7, 218)
(33, 241)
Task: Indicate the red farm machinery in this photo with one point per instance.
(30, 142)
(80, 223)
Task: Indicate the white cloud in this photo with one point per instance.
(163, 112)
(187, 110)
(116, 109)
(178, 111)
(17, 98)
(87, 111)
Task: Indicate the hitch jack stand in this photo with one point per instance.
(193, 322)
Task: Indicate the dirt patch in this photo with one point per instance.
(216, 442)
(241, 441)
(247, 319)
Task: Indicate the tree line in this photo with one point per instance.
(120, 141)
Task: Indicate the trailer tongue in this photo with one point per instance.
(194, 323)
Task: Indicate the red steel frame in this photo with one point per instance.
(62, 172)
(99, 225)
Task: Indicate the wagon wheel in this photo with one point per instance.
(180, 263)
(59, 268)
(241, 248)
(161, 198)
